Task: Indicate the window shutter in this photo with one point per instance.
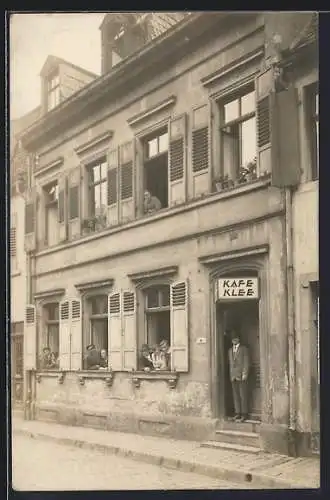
(63, 207)
(13, 249)
(129, 331)
(41, 218)
(30, 338)
(74, 203)
(76, 334)
(177, 160)
(263, 87)
(126, 181)
(201, 150)
(64, 353)
(179, 327)
(115, 331)
(113, 184)
(285, 138)
(30, 220)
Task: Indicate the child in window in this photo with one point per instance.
(104, 359)
(145, 358)
(158, 358)
(165, 348)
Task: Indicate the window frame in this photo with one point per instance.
(96, 316)
(50, 322)
(312, 118)
(160, 132)
(221, 102)
(92, 184)
(53, 90)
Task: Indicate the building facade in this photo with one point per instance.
(199, 118)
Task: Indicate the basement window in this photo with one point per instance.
(156, 170)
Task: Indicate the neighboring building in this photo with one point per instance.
(205, 117)
(60, 79)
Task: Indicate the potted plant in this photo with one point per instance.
(248, 173)
(88, 225)
(100, 222)
(222, 182)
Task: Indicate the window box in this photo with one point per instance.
(170, 377)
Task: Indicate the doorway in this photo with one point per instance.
(243, 317)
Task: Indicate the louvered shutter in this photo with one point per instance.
(64, 353)
(30, 220)
(201, 148)
(41, 218)
(13, 242)
(127, 181)
(76, 334)
(177, 160)
(63, 207)
(284, 127)
(113, 185)
(179, 327)
(30, 338)
(263, 87)
(115, 331)
(129, 331)
(74, 223)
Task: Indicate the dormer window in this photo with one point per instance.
(53, 91)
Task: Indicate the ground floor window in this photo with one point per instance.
(156, 349)
(50, 338)
(96, 355)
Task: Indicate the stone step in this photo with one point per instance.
(230, 446)
(238, 437)
(247, 426)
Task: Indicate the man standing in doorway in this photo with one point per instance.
(239, 370)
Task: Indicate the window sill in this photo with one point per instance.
(106, 375)
(56, 373)
(170, 377)
(16, 273)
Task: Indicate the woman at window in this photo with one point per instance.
(158, 358)
(104, 359)
(145, 358)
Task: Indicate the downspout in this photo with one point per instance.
(291, 318)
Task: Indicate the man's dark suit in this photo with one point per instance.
(238, 370)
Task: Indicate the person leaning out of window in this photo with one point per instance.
(48, 359)
(104, 362)
(92, 358)
(151, 203)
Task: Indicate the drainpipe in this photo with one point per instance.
(290, 314)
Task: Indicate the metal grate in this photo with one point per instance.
(29, 218)
(176, 159)
(114, 304)
(65, 311)
(179, 294)
(126, 172)
(12, 241)
(112, 186)
(263, 122)
(129, 302)
(200, 149)
(75, 309)
(30, 315)
(74, 202)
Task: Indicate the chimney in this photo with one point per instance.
(121, 36)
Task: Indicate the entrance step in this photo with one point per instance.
(247, 426)
(238, 437)
(230, 446)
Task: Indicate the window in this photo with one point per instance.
(313, 127)
(50, 336)
(53, 91)
(97, 187)
(157, 315)
(98, 321)
(156, 170)
(238, 132)
(50, 192)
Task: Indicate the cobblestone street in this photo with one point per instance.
(40, 465)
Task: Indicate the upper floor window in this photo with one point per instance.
(313, 127)
(50, 192)
(53, 91)
(97, 187)
(156, 171)
(238, 133)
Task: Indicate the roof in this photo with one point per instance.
(308, 35)
(53, 62)
(155, 23)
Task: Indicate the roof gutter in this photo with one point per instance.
(169, 43)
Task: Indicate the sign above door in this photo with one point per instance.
(237, 288)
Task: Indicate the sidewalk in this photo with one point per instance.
(262, 470)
